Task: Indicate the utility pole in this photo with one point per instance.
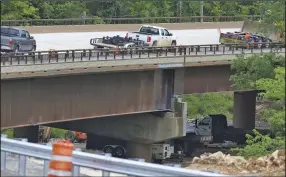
(202, 10)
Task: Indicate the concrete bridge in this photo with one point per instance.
(131, 100)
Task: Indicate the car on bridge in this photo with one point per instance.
(16, 40)
(154, 36)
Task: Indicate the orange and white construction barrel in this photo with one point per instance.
(61, 160)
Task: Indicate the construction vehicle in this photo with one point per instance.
(45, 134)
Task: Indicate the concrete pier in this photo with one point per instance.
(244, 109)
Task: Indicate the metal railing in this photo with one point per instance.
(98, 162)
(67, 56)
(135, 20)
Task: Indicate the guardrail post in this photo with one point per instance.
(34, 57)
(199, 48)
(217, 48)
(66, 55)
(3, 156)
(211, 48)
(84, 53)
(89, 54)
(106, 173)
(180, 50)
(76, 169)
(22, 162)
(192, 48)
(73, 55)
(57, 56)
(46, 163)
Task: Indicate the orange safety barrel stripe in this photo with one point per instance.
(64, 148)
(60, 165)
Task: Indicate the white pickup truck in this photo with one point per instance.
(154, 36)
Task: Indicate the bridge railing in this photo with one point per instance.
(136, 20)
(81, 55)
(97, 162)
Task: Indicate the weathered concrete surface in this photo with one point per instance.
(139, 150)
(143, 128)
(129, 27)
(244, 109)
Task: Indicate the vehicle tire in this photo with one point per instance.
(119, 152)
(174, 43)
(154, 44)
(108, 149)
(33, 50)
(70, 136)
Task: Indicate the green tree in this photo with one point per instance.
(19, 10)
(275, 93)
(245, 71)
(209, 103)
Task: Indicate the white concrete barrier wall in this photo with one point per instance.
(65, 41)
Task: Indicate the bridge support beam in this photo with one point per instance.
(30, 132)
(135, 132)
(244, 109)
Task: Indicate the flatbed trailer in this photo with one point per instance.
(116, 42)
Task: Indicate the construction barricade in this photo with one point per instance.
(61, 159)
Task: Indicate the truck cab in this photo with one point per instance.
(155, 36)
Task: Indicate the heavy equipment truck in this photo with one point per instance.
(45, 134)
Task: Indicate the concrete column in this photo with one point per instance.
(244, 109)
(139, 150)
(29, 132)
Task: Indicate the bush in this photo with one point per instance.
(8, 132)
(58, 133)
(259, 145)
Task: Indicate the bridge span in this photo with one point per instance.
(124, 99)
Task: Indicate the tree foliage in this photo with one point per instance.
(31, 9)
(245, 71)
(260, 145)
(209, 103)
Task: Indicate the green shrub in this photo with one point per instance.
(259, 145)
(58, 133)
(8, 132)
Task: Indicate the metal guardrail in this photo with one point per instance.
(98, 162)
(134, 20)
(67, 56)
